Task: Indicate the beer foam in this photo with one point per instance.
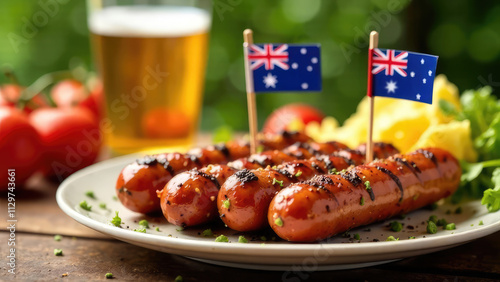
(144, 21)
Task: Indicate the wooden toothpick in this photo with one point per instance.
(252, 108)
(369, 143)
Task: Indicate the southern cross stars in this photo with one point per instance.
(270, 80)
(391, 87)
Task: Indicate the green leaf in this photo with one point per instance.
(222, 134)
(491, 196)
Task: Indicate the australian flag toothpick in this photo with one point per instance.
(285, 67)
(403, 74)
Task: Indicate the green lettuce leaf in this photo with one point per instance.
(491, 196)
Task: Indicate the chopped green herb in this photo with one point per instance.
(298, 173)
(411, 237)
(441, 222)
(481, 222)
(433, 206)
(334, 171)
(144, 223)
(343, 171)
(263, 238)
(367, 185)
(472, 225)
(58, 252)
(116, 221)
(178, 279)
(157, 229)
(458, 210)
(115, 198)
(391, 238)
(362, 201)
(221, 238)
(108, 275)
(90, 194)
(431, 227)
(356, 236)
(242, 239)
(57, 238)
(450, 226)
(433, 218)
(141, 230)
(226, 203)
(85, 206)
(396, 226)
(278, 221)
(277, 181)
(179, 229)
(207, 233)
(102, 206)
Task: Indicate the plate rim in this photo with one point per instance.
(282, 249)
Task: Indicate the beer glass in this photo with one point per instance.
(151, 57)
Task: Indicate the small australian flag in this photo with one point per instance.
(285, 67)
(403, 74)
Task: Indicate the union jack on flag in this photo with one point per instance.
(285, 67)
(268, 56)
(402, 74)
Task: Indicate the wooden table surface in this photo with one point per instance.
(89, 255)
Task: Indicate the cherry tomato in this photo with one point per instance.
(165, 123)
(70, 93)
(71, 138)
(283, 116)
(10, 94)
(20, 146)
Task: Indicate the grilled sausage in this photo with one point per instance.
(244, 198)
(189, 198)
(327, 205)
(138, 182)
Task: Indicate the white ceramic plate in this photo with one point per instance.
(338, 252)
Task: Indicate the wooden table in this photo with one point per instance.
(89, 255)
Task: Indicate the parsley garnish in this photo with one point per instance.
(242, 239)
(207, 233)
(277, 181)
(362, 201)
(431, 227)
(221, 238)
(108, 275)
(450, 226)
(226, 203)
(142, 230)
(102, 206)
(85, 206)
(391, 238)
(368, 186)
(298, 173)
(58, 252)
(396, 226)
(278, 221)
(90, 194)
(144, 223)
(116, 221)
(57, 238)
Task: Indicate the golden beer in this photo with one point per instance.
(152, 65)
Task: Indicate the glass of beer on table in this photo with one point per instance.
(151, 57)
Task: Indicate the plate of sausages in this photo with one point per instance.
(297, 204)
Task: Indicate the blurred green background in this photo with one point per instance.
(465, 34)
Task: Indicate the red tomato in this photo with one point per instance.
(283, 116)
(71, 138)
(70, 92)
(10, 94)
(20, 146)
